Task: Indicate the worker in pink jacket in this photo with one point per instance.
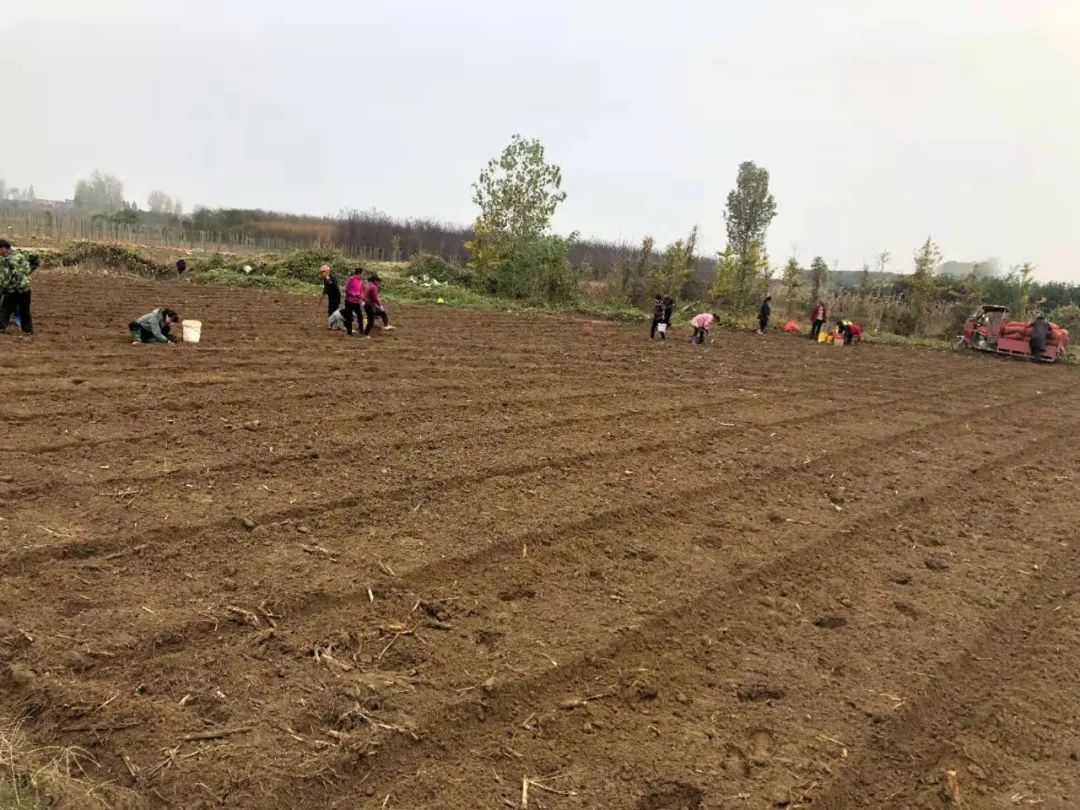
(701, 324)
(354, 300)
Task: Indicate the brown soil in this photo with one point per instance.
(284, 568)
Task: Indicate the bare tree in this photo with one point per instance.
(158, 202)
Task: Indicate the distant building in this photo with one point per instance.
(62, 205)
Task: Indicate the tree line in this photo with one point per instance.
(511, 250)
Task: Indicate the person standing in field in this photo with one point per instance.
(764, 313)
(1040, 334)
(818, 316)
(373, 305)
(701, 324)
(154, 327)
(657, 317)
(354, 300)
(330, 291)
(15, 270)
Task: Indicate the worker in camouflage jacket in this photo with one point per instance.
(15, 270)
(154, 327)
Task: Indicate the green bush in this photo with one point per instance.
(538, 270)
(297, 265)
(258, 281)
(1067, 316)
(304, 264)
(903, 323)
(956, 316)
(213, 261)
(438, 268)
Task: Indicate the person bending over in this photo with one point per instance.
(701, 324)
(154, 327)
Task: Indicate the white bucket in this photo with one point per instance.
(661, 328)
(192, 331)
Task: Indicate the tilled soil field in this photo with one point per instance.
(491, 561)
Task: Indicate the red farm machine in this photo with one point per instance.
(990, 330)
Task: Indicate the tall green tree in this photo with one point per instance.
(1023, 277)
(819, 276)
(646, 273)
(632, 272)
(725, 284)
(519, 191)
(513, 251)
(864, 279)
(971, 288)
(672, 271)
(793, 284)
(741, 279)
(923, 285)
(750, 208)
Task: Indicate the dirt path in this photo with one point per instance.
(416, 571)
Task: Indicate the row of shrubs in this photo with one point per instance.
(298, 265)
(538, 272)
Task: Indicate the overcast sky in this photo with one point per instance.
(882, 122)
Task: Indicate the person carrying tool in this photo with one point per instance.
(154, 327)
(1040, 334)
(701, 324)
(658, 318)
(764, 314)
(818, 316)
(15, 270)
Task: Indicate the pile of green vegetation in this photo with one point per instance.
(103, 254)
(295, 270)
(428, 266)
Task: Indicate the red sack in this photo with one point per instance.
(791, 327)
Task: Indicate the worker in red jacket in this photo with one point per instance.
(851, 331)
(373, 305)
